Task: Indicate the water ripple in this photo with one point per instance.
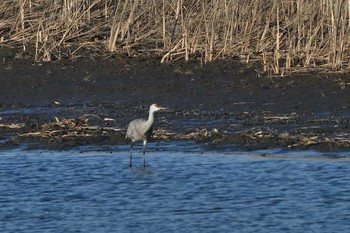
(95, 191)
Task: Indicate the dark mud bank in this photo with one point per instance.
(90, 101)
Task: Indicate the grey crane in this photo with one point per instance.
(140, 130)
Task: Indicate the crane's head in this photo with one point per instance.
(155, 108)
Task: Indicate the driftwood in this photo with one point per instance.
(11, 126)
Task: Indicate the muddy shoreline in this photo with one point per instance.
(91, 100)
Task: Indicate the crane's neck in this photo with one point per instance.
(150, 118)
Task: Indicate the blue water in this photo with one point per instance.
(182, 189)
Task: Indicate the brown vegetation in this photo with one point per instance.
(282, 35)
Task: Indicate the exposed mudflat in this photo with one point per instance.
(224, 103)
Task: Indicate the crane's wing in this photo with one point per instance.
(139, 130)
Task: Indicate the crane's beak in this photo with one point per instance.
(158, 107)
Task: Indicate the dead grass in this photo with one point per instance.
(283, 35)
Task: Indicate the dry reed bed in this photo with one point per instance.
(283, 35)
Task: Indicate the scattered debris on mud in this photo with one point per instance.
(66, 133)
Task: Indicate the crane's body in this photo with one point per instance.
(141, 130)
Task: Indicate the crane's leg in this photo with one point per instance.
(143, 153)
(131, 146)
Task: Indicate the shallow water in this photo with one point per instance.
(184, 188)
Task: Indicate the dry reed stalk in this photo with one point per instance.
(22, 4)
(121, 23)
(184, 32)
(277, 49)
(164, 25)
(167, 56)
